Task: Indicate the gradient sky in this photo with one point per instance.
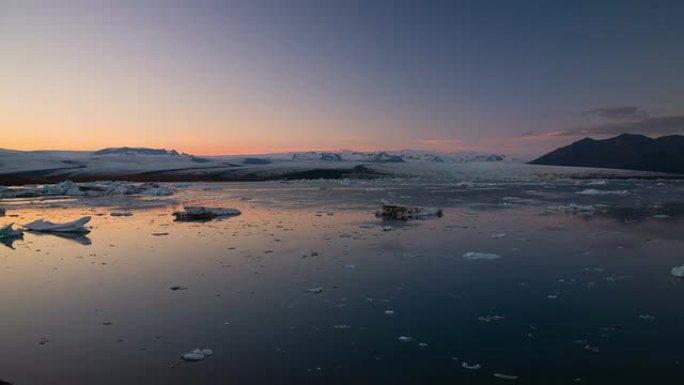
(228, 77)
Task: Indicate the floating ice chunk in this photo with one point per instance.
(465, 365)
(405, 339)
(474, 255)
(422, 345)
(67, 188)
(498, 236)
(404, 213)
(646, 317)
(8, 232)
(592, 191)
(389, 312)
(505, 376)
(387, 228)
(490, 318)
(573, 208)
(198, 213)
(77, 226)
(678, 271)
(197, 355)
(315, 290)
(120, 214)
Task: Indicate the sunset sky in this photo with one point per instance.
(237, 77)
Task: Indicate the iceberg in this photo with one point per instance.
(8, 232)
(77, 226)
(404, 213)
(199, 213)
(474, 255)
(678, 271)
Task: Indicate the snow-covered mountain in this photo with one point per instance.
(135, 151)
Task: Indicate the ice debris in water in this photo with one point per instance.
(404, 213)
(405, 339)
(474, 255)
(197, 354)
(573, 208)
(490, 318)
(315, 290)
(592, 191)
(646, 317)
(77, 226)
(465, 365)
(678, 271)
(505, 376)
(199, 213)
(92, 189)
(498, 236)
(8, 232)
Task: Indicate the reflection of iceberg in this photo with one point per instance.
(76, 226)
(80, 238)
(8, 235)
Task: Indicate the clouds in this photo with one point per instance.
(618, 113)
(611, 121)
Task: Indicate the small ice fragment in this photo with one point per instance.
(474, 255)
(351, 266)
(76, 226)
(498, 236)
(315, 290)
(465, 365)
(423, 345)
(194, 355)
(341, 326)
(389, 312)
(590, 348)
(490, 318)
(646, 317)
(405, 339)
(387, 228)
(207, 352)
(678, 271)
(120, 214)
(505, 376)
(552, 296)
(593, 191)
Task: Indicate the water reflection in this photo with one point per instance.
(79, 238)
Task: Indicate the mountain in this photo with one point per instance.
(134, 151)
(627, 151)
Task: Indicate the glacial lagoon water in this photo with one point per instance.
(306, 286)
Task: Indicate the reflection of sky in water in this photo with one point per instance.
(247, 294)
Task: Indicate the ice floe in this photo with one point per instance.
(77, 226)
(199, 213)
(90, 189)
(474, 255)
(678, 271)
(593, 191)
(404, 213)
(197, 354)
(465, 365)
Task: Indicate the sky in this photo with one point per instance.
(246, 77)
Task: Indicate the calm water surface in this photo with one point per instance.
(579, 298)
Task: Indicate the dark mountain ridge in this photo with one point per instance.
(626, 151)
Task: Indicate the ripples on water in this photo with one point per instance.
(586, 297)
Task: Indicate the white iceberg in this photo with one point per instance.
(77, 226)
(474, 255)
(197, 354)
(199, 213)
